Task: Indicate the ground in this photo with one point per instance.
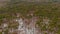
(43, 18)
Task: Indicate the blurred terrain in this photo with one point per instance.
(43, 15)
(3, 2)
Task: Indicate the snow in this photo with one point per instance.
(24, 29)
(5, 25)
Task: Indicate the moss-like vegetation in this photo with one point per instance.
(50, 10)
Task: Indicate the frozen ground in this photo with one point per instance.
(25, 30)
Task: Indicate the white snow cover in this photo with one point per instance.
(24, 30)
